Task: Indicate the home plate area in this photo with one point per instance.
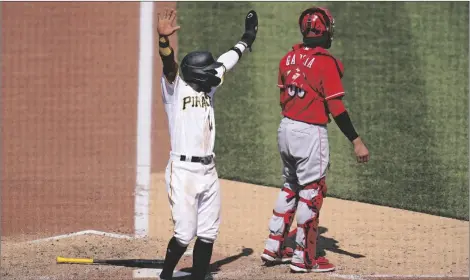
(36, 260)
(248, 265)
(219, 263)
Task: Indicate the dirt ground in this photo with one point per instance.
(362, 240)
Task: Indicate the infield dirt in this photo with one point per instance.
(361, 239)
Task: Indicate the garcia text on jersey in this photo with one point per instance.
(307, 61)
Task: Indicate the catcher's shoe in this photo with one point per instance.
(270, 258)
(321, 265)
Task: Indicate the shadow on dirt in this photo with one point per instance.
(323, 244)
(215, 266)
(156, 263)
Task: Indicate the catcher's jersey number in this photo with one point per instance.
(293, 90)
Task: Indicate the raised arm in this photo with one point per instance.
(231, 57)
(165, 29)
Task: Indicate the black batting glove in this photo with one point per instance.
(251, 28)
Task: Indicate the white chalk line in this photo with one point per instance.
(378, 276)
(84, 232)
(155, 273)
(144, 119)
(138, 273)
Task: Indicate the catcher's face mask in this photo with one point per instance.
(316, 25)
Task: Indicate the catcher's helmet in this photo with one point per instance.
(198, 67)
(317, 26)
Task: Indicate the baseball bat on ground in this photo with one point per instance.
(126, 262)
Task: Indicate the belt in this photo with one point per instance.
(204, 160)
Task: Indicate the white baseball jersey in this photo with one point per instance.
(190, 117)
(193, 188)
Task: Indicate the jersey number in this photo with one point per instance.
(293, 90)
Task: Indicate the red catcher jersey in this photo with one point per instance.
(308, 78)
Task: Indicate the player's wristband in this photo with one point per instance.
(163, 42)
(239, 48)
(164, 46)
(345, 125)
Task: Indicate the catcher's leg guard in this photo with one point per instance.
(279, 225)
(308, 214)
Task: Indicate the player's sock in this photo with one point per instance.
(174, 253)
(201, 259)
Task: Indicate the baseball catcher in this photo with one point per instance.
(310, 91)
(191, 177)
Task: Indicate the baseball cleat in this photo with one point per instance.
(270, 258)
(321, 265)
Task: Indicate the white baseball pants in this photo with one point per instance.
(194, 195)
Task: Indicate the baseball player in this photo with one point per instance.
(191, 177)
(310, 90)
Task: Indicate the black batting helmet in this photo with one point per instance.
(198, 67)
